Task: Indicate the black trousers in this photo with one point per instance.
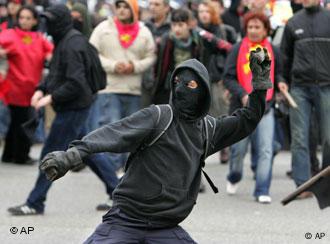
(17, 144)
(107, 233)
(119, 228)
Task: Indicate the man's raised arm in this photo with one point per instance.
(233, 128)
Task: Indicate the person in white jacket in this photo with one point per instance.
(127, 49)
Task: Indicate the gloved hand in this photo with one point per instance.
(57, 164)
(260, 68)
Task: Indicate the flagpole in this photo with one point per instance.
(306, 185)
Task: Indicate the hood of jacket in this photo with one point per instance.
(203, 74)
(134, 5)
(59, 21)
(234, 6)
(86, 24)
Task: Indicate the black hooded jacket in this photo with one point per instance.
(66, 82)
(161, 184)
(305, 47)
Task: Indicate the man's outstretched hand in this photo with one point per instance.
(260, 68)
(56, 164)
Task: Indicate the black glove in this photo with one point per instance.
(57, 164)
(260, 68)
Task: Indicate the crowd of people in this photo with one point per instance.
(44, 56)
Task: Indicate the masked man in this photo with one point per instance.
(67, 90)
(161, 183)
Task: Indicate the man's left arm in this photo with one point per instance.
(287, 50)
(280, 82)
(231, 129)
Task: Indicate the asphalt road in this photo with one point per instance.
(70, 215)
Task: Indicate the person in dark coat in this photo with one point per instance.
(233, 16)
(182, 43)
(159, 24)
(161, 183)
(66, 88)
(305, 48)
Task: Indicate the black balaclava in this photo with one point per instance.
(187, 101)
(58, 21)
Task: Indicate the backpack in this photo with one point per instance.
(163, 123)
(96, 76)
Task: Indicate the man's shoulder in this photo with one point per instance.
(74, 41)
(74, 36)
(301, 14)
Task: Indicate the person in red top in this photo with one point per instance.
(26, 50)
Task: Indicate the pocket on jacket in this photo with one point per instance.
(169, 193)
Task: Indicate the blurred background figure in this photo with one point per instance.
(81, 19)
(159, 24)
(26, 50)
(305, 53)
(3, 11)
(184, 41)
(102, 10)
(13, 7)
(327, 4)
(68, 91)
(233, 16)
(209, 19)
(127, 49)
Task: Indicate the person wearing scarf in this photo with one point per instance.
(183, 42)
(237, 79)
(127, 49)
